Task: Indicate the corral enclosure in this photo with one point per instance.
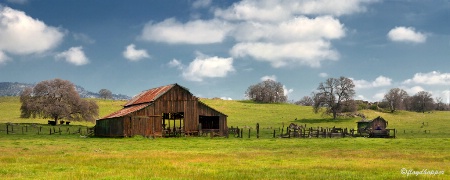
(162, 111)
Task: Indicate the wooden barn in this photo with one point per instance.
(169, 110)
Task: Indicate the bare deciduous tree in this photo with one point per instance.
(305, 101)
(105, 94)
(422, 101)
(333, 95)
(395, 98)
(56, 99)
(440, 105)
(268, 91)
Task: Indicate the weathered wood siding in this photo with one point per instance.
(109, 127)
(204, 110)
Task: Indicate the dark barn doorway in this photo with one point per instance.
(209, 122)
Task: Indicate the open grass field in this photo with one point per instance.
(69, 156)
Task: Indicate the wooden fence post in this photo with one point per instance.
(274, 131)
(257, 130)
(242, 132)
(248, 133)
(7, 128)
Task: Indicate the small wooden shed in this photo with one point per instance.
(374, 128)
(162, 111)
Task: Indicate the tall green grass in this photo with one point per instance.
(72, 156)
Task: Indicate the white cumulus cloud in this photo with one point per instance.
(431, 78)
(332, 7)
(276, 10)
(176, 64)
(287, 91)
(380, 81)
(207, 67)
(21, 34)
(323, 75)
(133, 54)
(406, 34)
(309, 53)
(280, 32)
(75, 56)
(272, 77)
(193, 32)
(3, 58)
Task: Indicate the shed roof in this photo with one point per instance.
(126, 110)
(149, 95)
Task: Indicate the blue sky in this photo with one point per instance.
(220, 48)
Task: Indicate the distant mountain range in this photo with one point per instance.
(15, 88)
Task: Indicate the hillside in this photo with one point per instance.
(270, 116)
(15, 88)
(273, 116)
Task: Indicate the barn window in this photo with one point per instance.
(209, 122)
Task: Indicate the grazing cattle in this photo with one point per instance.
(53, 123)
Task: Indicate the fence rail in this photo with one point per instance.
(41, 129)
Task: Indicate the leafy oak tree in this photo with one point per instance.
(56, 99)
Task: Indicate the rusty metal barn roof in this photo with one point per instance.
(126, 110)
(149, 95)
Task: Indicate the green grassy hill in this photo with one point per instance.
(274, 116)
(72, 156)
(407, 124)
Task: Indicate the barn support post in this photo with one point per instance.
(153, 128)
